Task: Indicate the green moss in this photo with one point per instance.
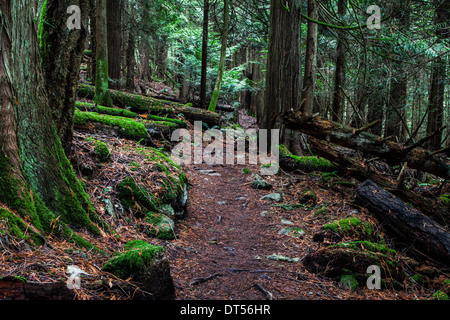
(102, 94)
(349, 282)
(314, 163)
(350, 226)
(439, 295)
(162, 226)
(367, 246)
(246, 171)
(445, 200)
(84, 106)
(131, 193)
(283, 151)
(102, 151)
(128, 128)
(138, 256)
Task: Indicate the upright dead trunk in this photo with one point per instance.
(102, 97)
(283, 72)
(223, 53)
(309, 79)
(37, 180)
(114, 35)
(61, 52)
(203, 81)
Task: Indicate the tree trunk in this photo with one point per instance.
(37, 180)
(102, 97)
(203, 81)
(131, 61)
(223, 54)
(438, 75)
(357, 139)
(405, 224)
(283, 72)
(93, 46)
(114, 36)
(339, 78)
(396, 105)
(309, 79)
(61, 53)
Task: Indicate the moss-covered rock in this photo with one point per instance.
(145, 264)
(162, 226)
(101, 150)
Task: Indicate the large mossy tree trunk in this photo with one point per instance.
(37, 181)
(61, 52)
(101, 75)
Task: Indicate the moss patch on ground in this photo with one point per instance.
(351, 227)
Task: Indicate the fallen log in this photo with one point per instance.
(150, 105)
(361, 172)
(405, 224)
(391, 151)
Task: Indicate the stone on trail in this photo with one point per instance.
(272, 196)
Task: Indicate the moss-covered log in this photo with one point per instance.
(143, 104)
(404, 223)
(362, 172)
(393, 152)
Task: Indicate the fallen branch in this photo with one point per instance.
(391, 151)
(362, 172)
(267, 294)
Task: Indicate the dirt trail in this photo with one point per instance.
(225, 237)
(223, 245)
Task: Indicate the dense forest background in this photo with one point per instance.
(337, 67)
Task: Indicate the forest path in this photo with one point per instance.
(223, 244)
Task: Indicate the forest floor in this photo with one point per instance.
(231, 243)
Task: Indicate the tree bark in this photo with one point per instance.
(101, 76)
(438, 75)
(393, 152)
(37, 180)
(203, 81)
(405, 224)
(283, 72)
(114, 37)
(309, 79)
(339, 78)
(61, 52)
(223, 54)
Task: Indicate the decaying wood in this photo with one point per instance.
(267, 294)
(15, 289)
(405, 224)
(362, 172)
(141, 104)
(391, 151)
